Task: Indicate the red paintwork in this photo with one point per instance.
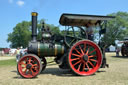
(80, 64)
(33, 71)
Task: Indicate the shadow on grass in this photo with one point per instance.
(60, 72)
(14, 71)
(100, 71)
(19, 77)
(55, 71)
(120, 57)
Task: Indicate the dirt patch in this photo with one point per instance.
(6, 58)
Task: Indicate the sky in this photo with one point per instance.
(13, 12)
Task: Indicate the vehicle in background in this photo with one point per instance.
(112, 48)
(124, 47)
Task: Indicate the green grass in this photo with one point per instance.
(10, 62)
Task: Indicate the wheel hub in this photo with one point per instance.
(28, 66)
(85, 58)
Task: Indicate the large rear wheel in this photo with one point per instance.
(85, 57)
(29, 66)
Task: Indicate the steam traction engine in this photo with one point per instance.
(124, 48)
(73, 50)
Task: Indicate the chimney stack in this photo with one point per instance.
(34, 26)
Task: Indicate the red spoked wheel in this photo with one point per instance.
(85, 57)
(29, 66)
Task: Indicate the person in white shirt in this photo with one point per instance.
(17, 52)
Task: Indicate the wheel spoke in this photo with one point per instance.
(93, 60)
(25, 60)
(83, 66)
(36, 69)
(77, 51)
(29, 71)
(29, 60)
(91, 56)
(87, 66)
(88, 51)
(79, 67)
(91, 64)
(77, 63)
(91, 52)
(76, 55)
(75, 59)
(22, 63)
(35, 65)
(84, 47)
(25, 71)
(81, 50)
(33, 73)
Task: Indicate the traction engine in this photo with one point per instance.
(73, 50)
(124, 47)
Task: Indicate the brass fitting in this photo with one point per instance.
(34, 13)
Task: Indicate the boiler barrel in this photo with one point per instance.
(45, 49)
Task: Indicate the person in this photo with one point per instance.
(17, 52)
(117, 51)
(90, 31)
(23, 52)
(2, 52)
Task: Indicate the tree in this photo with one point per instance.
(116, 29)
(21, 35)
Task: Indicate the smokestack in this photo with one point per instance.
(34, 26)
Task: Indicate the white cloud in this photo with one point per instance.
(20, 3)
(10, 1)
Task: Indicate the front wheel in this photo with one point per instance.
(29, 66)
(85, 57)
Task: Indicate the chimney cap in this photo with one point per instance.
(34, 13)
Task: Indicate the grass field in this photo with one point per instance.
(10, 62)
(116, 74)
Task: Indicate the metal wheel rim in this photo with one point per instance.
(83, 67)
(27, 60)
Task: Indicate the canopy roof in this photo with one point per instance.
(82, 20)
